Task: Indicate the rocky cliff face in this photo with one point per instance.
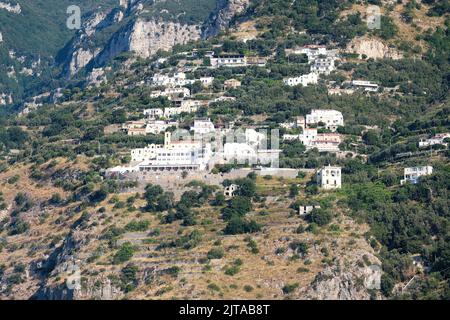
(220, 19)
(67, 263)
(373, 48)
(133, 33)
(80, 51)
(145, 38)
(351, 277)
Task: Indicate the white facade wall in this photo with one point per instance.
(304, 80)
(154, 113)
(437, 139)
(203, 126)
(323, 66)
(413, 174)
(145, 154)
(304, 210)
(158, 126)
(331, 118)
(329, 178)
(229, 61)
(366, 85)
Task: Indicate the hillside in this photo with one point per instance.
(81, 217)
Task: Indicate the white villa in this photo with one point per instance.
(366, 85)
(304, 210)
(223, 99)
(329, 178)
(158, 126)
(173, 156)
(142, 154)
(304, 80)
(413, 174)
(228, 60)
(148, 126)
(154, 113)
(178, 80)
(331, 118)
(185, 106)
(230, 191)
(312, 51)
(323, 66)
(171, 92)
(203, 126)
(324, 142)
(437, 139)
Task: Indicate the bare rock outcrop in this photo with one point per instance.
(373, 48)
(220, 19)
(148, 37)
(350, 278)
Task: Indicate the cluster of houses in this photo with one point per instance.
(318, 128)
(310, 136)
(322, 61)
(202, 152)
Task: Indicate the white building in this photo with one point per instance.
(312, 51)
(223, 99)
(323, 66)
(203, 126)
(228, 60)
(366, 85)
(178, 80)
(185, 106)
(240, 152)
(324, 142)
(171, 92)
(331, 118)
(164, 80)
(176, 156)
(206, 81)
(413, 174)
(304, 80)
(329, 178)
(154, 113)
(437, 139)
(304, 210)
(158, 126)
(230, 191)
(143, 154)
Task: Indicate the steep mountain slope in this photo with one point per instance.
(45, 53)
(31, 37)
(69, 231)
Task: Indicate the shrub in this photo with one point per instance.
(289, 288)
(240, 226)
(213, 287)
(321, 217)
(124, 253)
(136, 226)
(215, 253)
(248, 288)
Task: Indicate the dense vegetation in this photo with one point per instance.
(381, 131)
